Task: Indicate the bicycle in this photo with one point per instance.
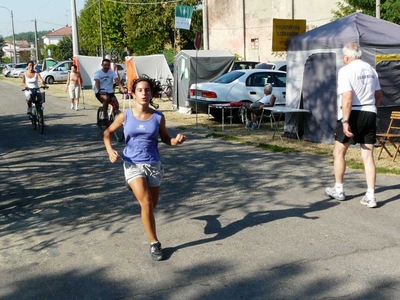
(113, 112)
(36, 115)
(167, 88)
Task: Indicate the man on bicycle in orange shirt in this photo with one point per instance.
(104, 80)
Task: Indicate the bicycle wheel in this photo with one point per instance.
(119, 133)
(34, 117)
(100, 118)
(168, 92)
(40, 119)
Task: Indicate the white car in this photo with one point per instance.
(237, 86)
(17, 69)
(7, 69)
(273, 65)
(59, 72)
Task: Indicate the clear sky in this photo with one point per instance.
(49, 14)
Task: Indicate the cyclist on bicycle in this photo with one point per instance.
(104, 86)
(30, 80)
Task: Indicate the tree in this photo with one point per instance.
(390, 9)
(151, 27)
(1, 47)
(113, 27)
(88, 26)
(53, 51)
(143, 27)
(63, 51)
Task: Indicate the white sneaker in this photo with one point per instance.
(76, 108)
(331, 192)
(368, 202)
(72, 106)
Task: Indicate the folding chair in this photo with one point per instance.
(392, 135)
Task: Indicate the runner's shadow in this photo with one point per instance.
(213, 226)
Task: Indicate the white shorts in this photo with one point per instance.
(152, 172)
(74, 91)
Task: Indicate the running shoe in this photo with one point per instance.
(331, 192)
(369, 202)
(156, 251)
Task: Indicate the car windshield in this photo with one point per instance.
(228, 77)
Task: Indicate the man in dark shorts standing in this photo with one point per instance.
(359, 96)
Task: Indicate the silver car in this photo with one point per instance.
(7, 69)
(17, 69)
(237, 86)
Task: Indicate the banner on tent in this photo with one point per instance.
(183, 16)
(283, 30)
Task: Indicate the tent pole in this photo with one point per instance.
(196, 89)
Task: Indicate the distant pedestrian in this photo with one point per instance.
(141, 159)
(359, 96)
(74, 86)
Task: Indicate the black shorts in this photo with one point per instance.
(362, 125)
(110, 95)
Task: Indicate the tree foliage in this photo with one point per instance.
(1, 46)
(138, 28)
(27, 36)
(389, 9)
(63, 51)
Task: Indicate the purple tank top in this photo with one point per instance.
(141, 138)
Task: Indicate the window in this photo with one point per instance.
(280, 79)
(228, 77)
(262, 79)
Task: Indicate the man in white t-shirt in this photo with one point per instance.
(359, 94)
(104, 86)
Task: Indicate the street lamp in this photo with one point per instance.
(12, 25)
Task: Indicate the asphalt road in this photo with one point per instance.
(236, 222)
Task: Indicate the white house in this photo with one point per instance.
(52, 38)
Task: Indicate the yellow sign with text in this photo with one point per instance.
(284, 29)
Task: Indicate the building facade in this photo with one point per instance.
(244, 27)
(55, 36)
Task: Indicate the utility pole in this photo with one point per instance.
(244, 28)
(101, 32)
(292, 9)
(13, 33)
(75, 40)
(36, 43)
(378, 9)
(205, 25)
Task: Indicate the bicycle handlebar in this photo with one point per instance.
(29, 89)
(120, 92)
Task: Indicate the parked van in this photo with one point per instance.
(58, 72)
